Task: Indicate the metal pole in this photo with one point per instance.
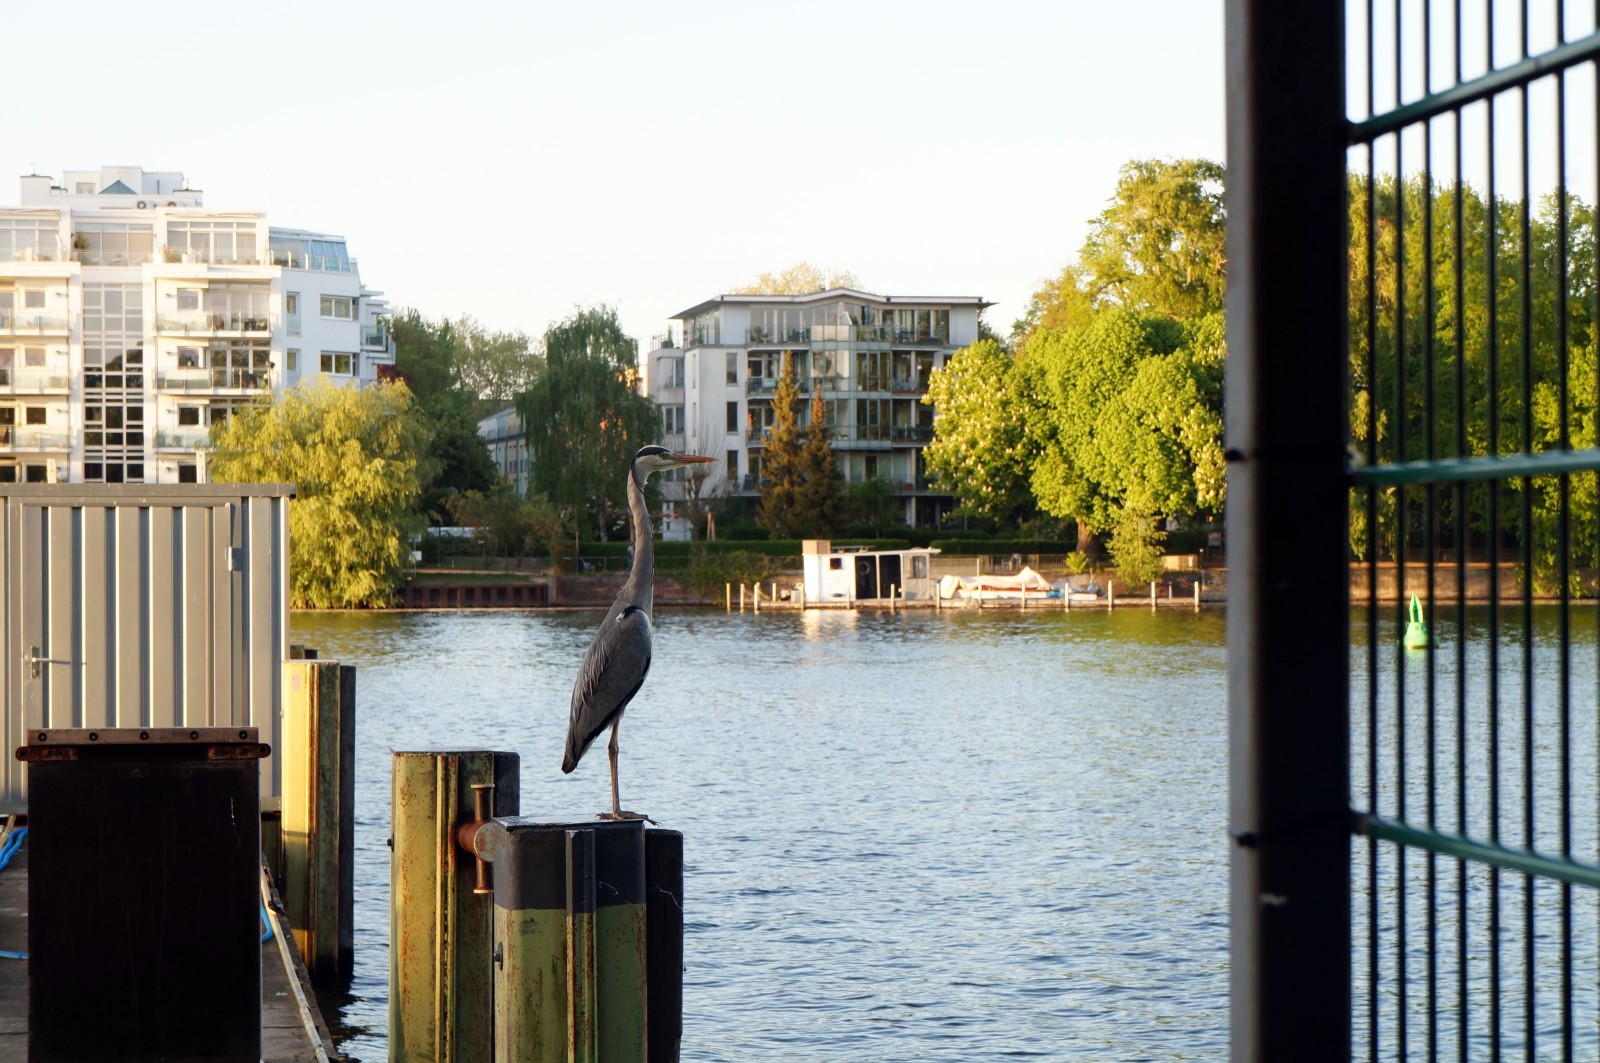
(1287, 525)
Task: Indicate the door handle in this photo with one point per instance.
(33, 660)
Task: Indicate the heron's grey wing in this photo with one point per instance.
(613, 668)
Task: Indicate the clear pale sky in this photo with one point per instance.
(513, 161)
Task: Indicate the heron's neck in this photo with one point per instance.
(641, 579)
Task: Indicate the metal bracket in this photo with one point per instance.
(33, 660)
(467, 835)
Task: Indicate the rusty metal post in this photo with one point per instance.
(440, 928)
(572, 971)
(318, 812)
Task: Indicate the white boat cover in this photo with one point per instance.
(993, 586)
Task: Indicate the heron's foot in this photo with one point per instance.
(621, 814)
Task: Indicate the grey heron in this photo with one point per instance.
(618, 659)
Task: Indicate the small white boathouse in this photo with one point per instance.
(843, 574)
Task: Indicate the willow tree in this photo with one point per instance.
(355, 456)
(584, 420)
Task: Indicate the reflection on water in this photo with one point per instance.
(920, 836)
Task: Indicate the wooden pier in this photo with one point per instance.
(292, 1029)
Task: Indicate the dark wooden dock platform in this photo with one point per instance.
(292, 1030)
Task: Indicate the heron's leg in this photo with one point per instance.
(611, 750)
(616, 805)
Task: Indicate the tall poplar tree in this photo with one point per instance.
(781, 464)
(821, 495)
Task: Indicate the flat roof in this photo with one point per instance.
(836, 293)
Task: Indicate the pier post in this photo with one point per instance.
(318, 817)
(756, 595)
(892, 589)
(1152, 594)
(1197, 581)
(741, 597)
(727, 589)
(441, 1004)
(1111, 594)
(588, 922)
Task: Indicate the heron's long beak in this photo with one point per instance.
(690, 459)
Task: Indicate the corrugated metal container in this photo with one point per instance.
(143, 605)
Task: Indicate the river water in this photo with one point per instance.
(914, 836)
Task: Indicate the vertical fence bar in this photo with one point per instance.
(1288, 707)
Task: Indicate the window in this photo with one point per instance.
(210, 240)
(188, 473)
(733, 367)
(672, 372)
(338, 307)
(188, 298)
(8, 415)
(83, 188)
(33, 298)
(732, 471)
(188, 358)
(733, 416)
(291, 311)
(919, 566)
(336, 363)
(37, 474)
(113, 243)
(33, 356)
(672, 419)
(188, 415)
(8, 474)
(36, 414)
(836, 563)
(292, 360)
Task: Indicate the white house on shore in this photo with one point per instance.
(869, 356)
(132, 317)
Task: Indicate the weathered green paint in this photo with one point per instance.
(440, 932)
(318, 813)
(572, 982)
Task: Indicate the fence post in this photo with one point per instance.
(318, 816)
(441, 989)
(1287, 523)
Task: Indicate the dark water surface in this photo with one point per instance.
(920, 836)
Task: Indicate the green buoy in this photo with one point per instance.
(1416, 636)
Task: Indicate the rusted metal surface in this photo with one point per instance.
(441, 931)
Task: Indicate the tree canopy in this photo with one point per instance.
(356, 457)
(980, 452)
(802, 278)
(584, 420)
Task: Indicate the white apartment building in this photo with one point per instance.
(508, 446)
(132, 317)
(869, 356)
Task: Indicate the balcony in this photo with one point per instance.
(767, 386)
(375, 337)
(913, 434)
(209, 322)
(757, 336)
(206, 256)
(907, 386)
(183, 438)
(113, 258)
(32, 322)
(50, 252)
(314, 263)
(33, 381)
(703, 337)
(32, 437)
(187, 380)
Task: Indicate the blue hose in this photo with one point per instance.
(7, 851)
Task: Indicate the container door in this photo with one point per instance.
(889, 573)
(866, 576)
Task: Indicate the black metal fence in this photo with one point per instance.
(1456, 265)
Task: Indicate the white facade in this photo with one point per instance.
(868, 356)
(131, 317)
(508, 447)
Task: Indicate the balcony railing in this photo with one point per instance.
(315, 263)
(766, 386)
(28, 437)
(703, 337)
(913, 434)
(375, 337)
(757, 336)
(33, 381)
(51, 252)
(31, 321)
(113, 258)
(186, 438)
(212, 379)
(204, 256)
(191, 322)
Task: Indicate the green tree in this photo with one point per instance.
(782, 469)
(821, 496)
(802, 278)
(508, 524)
(979, 451)
(355, 456)
(458, 457)
(584, 420)
(873, 503)
(493, 367)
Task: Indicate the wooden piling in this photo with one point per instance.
(318, 817)
(728, 591)
(1197, 582)
(441, 991)
(1152, 594)
(741, 597)
(755, 589)
(1111, 594)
